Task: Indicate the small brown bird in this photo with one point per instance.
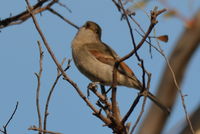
(96, 60)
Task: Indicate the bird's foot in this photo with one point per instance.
(92, 86)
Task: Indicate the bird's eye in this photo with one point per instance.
(97, 31)
(87, 25)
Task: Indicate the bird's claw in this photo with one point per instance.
(93, 85)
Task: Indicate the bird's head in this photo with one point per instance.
(92, 27)
(90, 32)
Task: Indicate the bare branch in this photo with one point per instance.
(102, 98)
(34, 128)
(46, 113)
(145, 93)
(65, 6)
(63, 18)
(23, 16)
(4, 131)
(131, 108)
(154, 15)
(39, 75)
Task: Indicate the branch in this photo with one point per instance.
(9, 120)
(23, 16)
(63, 18)
(34, 128)
(38, 86)
(154, 15)
(46, 113)
(143, 104)
(101, 97)
(131, 108)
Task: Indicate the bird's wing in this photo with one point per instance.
(106, 55)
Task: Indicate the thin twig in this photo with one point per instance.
(7, 123)
(181, 94)
(34, 128)
(116, 66)
(63, 18)
(23, 16)
(153, 21)
(46, 113)
(63, 5)
(143, 104)
(176, 84)
(135, 102)
(154, 15)
(139, 26)
(140, 115)
(100, 116)
(101, 97)
(130, 30)
(39, 75)
(117, 5)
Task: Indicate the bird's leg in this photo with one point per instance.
(91, 86)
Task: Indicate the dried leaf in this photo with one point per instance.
(163, 38)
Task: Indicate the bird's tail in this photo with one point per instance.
(158, 103)
(135, 83)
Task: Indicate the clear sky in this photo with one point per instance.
(19, 58)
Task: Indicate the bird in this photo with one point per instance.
(96, 61)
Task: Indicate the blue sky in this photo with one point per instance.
(19, 59)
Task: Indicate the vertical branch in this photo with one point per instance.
(143, 104)
(46, 113)
(115, 109)
(38, 86)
